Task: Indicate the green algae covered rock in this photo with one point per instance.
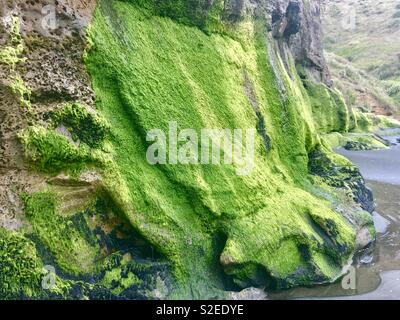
(114, 225)
(148, 71)
(330, 111)
(20, 267)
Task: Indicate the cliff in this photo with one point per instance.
(77, 192)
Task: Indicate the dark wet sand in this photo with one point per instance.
(377, 274)
(377, 165)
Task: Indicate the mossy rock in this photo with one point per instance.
(20, 267)
(52, 152)
(84, 126)
(143, 81)
(330, 112)
(338, 172)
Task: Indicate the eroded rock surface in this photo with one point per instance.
(51, 70)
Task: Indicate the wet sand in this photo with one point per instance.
(377, 165)
(378, 272)
(389, 289)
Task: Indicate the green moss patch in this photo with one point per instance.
(11, 55)
(52, 152)
(83, 125)
(331, 114)
(20, 267)
(74, 251)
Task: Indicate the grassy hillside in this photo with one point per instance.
(362, 40)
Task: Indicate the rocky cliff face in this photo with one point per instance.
(76, 191)
(293, 23)
(298, 24)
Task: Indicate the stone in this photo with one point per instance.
(249, 294)
(357, 146)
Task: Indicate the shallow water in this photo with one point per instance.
(377, 165)
(377, 273)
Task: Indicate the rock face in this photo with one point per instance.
(294, 23)
(76, 105)
(345, 176)
(298, 23)
(51, 72)
(42, 45)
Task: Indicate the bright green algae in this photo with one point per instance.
(68, 244)
(264, 229)
(62, 226)
(22, 270)
(148, 71)
(51, 152)
(330, 112)
(74, 251)
(81, 124)
(20, 267)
